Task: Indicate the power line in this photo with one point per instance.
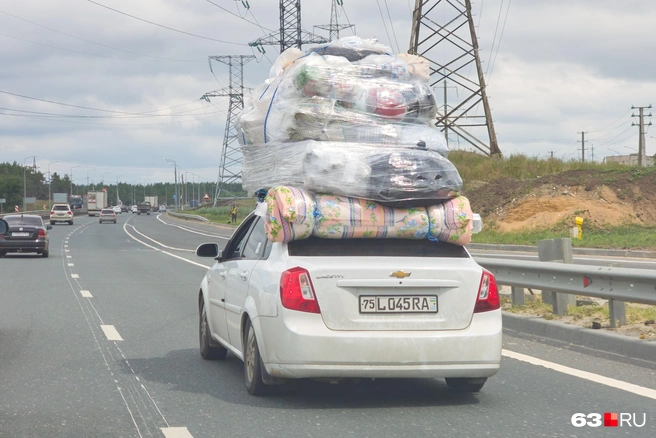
(398, 50)
(163, 26)
(96, 43)
(239, 16)
(382, 17)
(86, 107)
(503, 28)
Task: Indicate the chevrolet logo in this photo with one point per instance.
(400, 274)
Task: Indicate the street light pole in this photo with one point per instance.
(72, 178)
(50, 182)
(25, 179)
(175, 173)
(88, 178)
(117, 198)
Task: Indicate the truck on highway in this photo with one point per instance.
(152, 200)
(96, 201)
(143, 207)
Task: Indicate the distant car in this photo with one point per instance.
(117, 209)
(61, 213)
(351, 308)
(124, 208)
(134, 209)
(25, 233)
(162, 208)
(107, 215)
(76, 202)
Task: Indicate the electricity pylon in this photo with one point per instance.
(449, 33)
(231, 157)
(334, 27)
(290, 34)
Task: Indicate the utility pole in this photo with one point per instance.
(582, 145)
(334, 27)
(642, 158)
(231, 156)
(290, 34)
(457, 38)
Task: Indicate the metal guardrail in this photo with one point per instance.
(188, 216)
(555, 280)
(621, 284)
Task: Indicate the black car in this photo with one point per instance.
(24, 233)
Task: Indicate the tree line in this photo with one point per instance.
(16, 179)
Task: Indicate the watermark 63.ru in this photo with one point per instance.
(609, 419)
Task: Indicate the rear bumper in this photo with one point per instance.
(23, 246)
(301, 346)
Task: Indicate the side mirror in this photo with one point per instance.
(48, 227)
(4, 226)
(208, 250)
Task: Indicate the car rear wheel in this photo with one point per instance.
(207, 350)
(53, 222)
(465, 385)
(253, 364)
(45, 254)
(70, 222)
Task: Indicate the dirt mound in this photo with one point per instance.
(600, 198)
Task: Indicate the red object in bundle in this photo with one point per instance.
(390, 103)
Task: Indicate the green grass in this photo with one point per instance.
(618, 237)
(478, 167)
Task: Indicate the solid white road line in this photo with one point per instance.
(86, 294)
(176, 432)
(163, 252)
(613, 383)
(111, 333)
(191, 230)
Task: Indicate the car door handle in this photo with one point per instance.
(244, 275)
(223, 274)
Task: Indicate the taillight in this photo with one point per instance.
(488, 294)
(42, 233)
(296, 291)
(52, 212)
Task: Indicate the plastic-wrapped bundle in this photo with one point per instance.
(340, 217)
(290, 214)
(325, 96)
(387, 174)
(452, 221)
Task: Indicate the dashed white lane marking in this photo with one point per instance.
(111, 333)
(67, 250)
(75, 276)
(69, 256)
(71, 264)
(613, 383)
(86, 294)
(176, 432)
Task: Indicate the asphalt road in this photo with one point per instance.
(101, 340)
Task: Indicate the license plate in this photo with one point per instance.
(20, 234)
(398, 304)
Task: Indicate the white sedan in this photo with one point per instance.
(353, 308)
(117, 209)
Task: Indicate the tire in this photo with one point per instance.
(253, 363)
(207, 350)
(2, 254)
(465, 385)
(53, 222)
(45, 254)
(70, 222)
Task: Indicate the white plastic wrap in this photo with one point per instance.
(385, 174)
(351, 90)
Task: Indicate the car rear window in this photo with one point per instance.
(316, 247)
(107, 211)
(25, 220)
(61, 207)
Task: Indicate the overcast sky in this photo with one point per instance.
(85, 85)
